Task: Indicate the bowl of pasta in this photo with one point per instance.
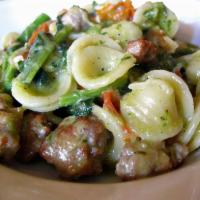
(100, 100)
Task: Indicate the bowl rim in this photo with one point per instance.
(177, 184)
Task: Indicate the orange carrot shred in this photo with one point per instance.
(122, 10)
(111, 101)
(25, 54)
(178, 72)
(42, 28)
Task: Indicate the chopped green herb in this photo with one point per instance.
(59, 24)
(126, 57)
(81, 108)
(158, 16)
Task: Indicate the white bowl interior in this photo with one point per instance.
(16, 14)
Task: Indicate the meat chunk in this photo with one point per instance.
(35, 128)
(143, 50)
(162, 41)
(10, 126)
(76, 147)
(140, 160)
(178, 153)
(5, 101)
(76, 17)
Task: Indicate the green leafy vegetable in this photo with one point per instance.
(26, 34)
(157, 14)
(58, 59)
(81, 95)
(8, 72)
(94, 29)
(59, 24)
(63, 34)
(38, 54)
(185, 49)
(81, 108)
(14, 47)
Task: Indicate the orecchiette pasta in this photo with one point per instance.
(192, 129)
(9, 39)
(156, 14)
(97, 60)
(151, 111)
(193, 66)
(157, 108)
(123, 32)
(42, 99)
(183, 95)
(115, 125)
(198, 88)
(192, 133)
(195, 141)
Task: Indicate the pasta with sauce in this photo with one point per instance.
(109, 85)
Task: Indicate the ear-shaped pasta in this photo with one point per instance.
(193, 66)
(157, 108)
(192, 131)
(195, 141)
(42, 98)
(115, 125)
(123, 32)
(97, 60)
(9, 39)
(151, 110)
(156, 14)
(184, 97)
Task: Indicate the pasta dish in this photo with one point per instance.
(108, 86)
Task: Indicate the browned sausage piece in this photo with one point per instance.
(140, 161)
(76, 148)
(143, 50)
(5, 101)
(10, 126)
(178, 153)
(35, 128)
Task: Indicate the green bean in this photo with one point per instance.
(26, 34)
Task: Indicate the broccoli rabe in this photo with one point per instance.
(81, 108)
(82, 95)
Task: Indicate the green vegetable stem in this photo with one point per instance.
(81, 95)
(38, 54)
(26, 34)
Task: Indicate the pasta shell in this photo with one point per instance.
(151, 14)
(158, 107)
(38, 101)
(96, 61)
